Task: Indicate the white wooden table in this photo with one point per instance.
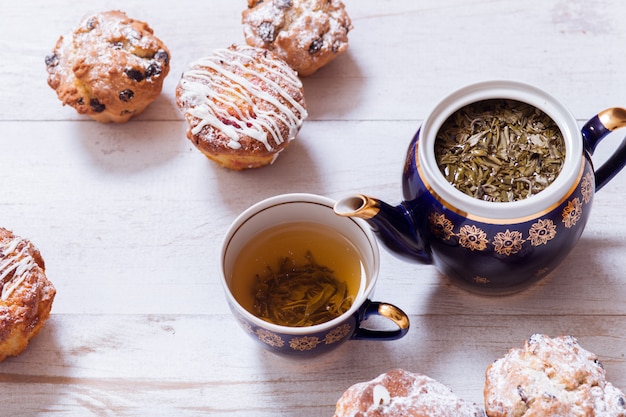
(129, 218)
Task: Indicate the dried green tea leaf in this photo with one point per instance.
(500, 150)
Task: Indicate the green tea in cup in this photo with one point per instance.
(297, 274)
(298, 278)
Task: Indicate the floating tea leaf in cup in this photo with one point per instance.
(300, 295)
(500, 150)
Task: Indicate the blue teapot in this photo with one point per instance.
(490, 246)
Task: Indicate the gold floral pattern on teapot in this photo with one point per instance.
(510, 242)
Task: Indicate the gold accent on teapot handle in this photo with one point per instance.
(613, 118)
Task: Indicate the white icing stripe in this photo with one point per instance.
(20, 264)
(215, 97)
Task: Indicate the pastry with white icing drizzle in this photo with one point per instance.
(26, 294)
(110, 67)
(551, 377)
(243, 106)
(308, 34)
(399, 393)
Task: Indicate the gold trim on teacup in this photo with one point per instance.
(490, 220)
(395, 314)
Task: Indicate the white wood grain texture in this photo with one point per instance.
(188, 365)
(129, 218)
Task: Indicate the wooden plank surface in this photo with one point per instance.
(130, 218)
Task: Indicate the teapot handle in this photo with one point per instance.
(596, 129)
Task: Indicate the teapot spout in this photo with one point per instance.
(393, 226)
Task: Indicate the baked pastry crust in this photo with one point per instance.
(551, 377)
(307, 34)
(26, 295)
(399, 393)
(110, 67)
(243, 106)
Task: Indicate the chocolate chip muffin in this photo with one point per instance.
(244, 105)
(110, 67)
(551, 377)
(399, 393)
(307, 34)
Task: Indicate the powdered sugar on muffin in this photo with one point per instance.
(551, 377)
(110, 67)
(399, 393)
(307, 34)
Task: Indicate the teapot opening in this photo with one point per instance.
(453, 197)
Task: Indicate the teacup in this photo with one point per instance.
(316, 212)
(489, 246)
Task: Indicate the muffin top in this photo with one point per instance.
(241, 99)
(307, 34)
(109, 67)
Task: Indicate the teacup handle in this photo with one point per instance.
(594, 131)
(388, 311)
